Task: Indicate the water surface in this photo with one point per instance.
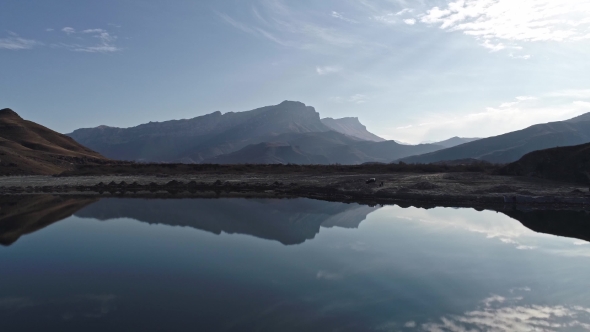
(287, 265)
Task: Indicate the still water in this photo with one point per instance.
(287, 265)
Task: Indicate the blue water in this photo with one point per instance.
(291, 265)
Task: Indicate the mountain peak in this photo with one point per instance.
(7, 113)
(292, 103)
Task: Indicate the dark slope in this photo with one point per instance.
(269, 153)
(571, 164)
(322, 148)
(289, 222)
(512, 146)
(202, 137)
(29, 148)
(351, 127)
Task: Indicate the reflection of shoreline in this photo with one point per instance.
(288, 221)
(20, 215)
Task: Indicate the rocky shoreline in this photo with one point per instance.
(442, 189)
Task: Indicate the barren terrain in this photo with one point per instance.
(453, 189)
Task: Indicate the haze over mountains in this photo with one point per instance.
(512, 146)
(290, 132)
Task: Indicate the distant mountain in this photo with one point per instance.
(351, 127)
(203, 137)
(571, 164)
(290, 132)
(512, 146)
(454, 141)
(29, 148)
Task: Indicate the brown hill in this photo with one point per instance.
(29, 148)
(570, 163)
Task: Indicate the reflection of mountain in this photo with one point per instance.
(20, 215)
(289, 221)
(574, 224)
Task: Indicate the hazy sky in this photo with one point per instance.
(410, 70)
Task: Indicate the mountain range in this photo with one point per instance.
(290, 132)
(29, 148)
(512, 146)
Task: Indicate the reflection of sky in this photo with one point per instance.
(402, 269)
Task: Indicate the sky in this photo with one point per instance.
(413, 71)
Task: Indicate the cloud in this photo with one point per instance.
(523, 57)
(508, 116)
(403, 11)
(69, 30)
(356, 99)
(515, 21)
(327, 70)
(385, 19)
(341, 17)
(493, 47)
(410, 21)
(15, 43)
(278, 23)
(105, 41)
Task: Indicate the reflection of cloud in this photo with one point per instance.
(410, 325)
(104, 302)
(325, 275)
(15, 303)
(493, 299)
(514, 318)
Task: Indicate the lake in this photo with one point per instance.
(123, 264)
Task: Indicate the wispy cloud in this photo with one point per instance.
(410, 21)
(340, 16)
(68, 30)
(277, 22)
(355, 99)
(105, 42)
(14, 43)
(327, 70)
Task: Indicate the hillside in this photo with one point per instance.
(571, 164)
(512, 146)
(269, 153)
(351, 127)
(29, 148)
